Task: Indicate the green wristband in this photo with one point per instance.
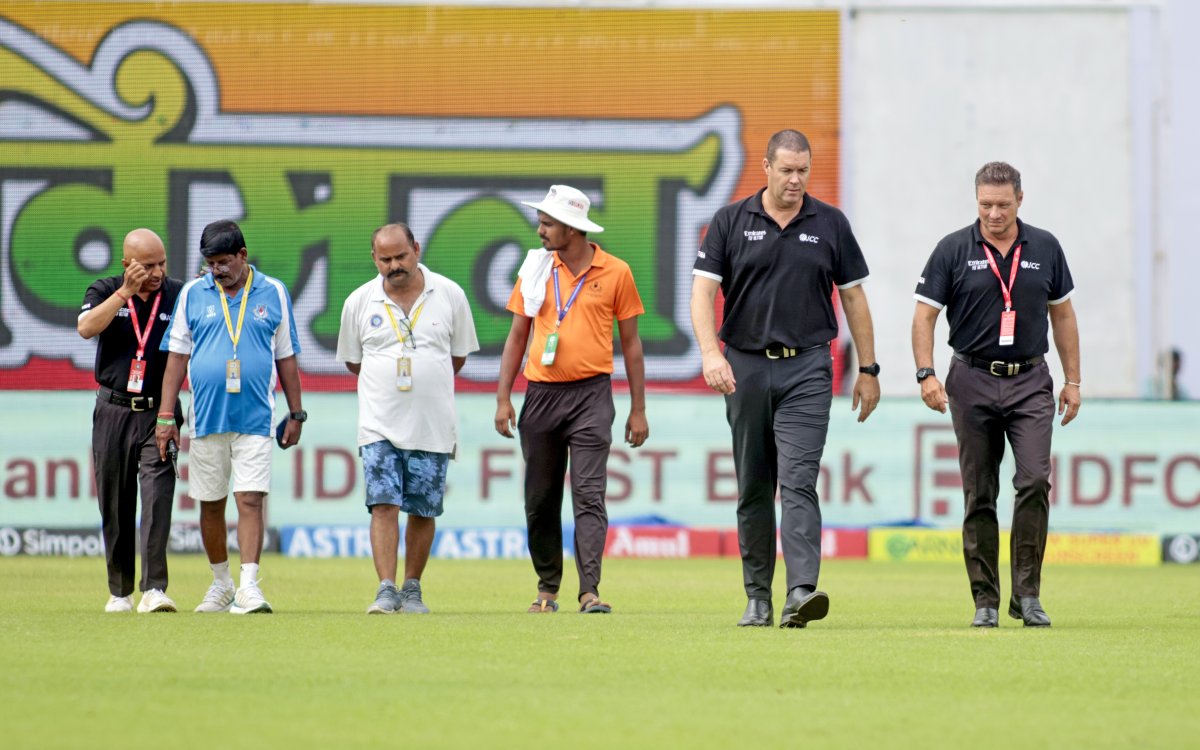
(166, 421)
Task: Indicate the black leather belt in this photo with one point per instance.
(133, 401)
(999, 368)
(779, 351)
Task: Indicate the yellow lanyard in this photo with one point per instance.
(235, 335)
(412, 322)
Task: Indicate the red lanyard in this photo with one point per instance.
(143, 337)
(1012, 275)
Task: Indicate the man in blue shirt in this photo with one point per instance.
(231, 331)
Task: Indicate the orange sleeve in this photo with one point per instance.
(516, 301)
(628, 303)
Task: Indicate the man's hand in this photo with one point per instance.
(135, 275)
(506, 418)
(1069, 400)
(866, 393)
(162, 434)
(934, 394)
(637, 429)
(717, 373)
(291, 433)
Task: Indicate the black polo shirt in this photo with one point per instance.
(116, 346)
(777, 281)
(959, 278)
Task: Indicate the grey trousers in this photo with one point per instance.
(561, 421)
(126, 457)
(985, 409)
(779, 416)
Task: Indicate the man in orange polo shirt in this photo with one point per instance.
(568, 294)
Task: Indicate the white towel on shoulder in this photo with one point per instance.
(533, 274)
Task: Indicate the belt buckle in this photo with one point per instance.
(770, 353)
(1009, 369)
(992, 368)
(133, 403)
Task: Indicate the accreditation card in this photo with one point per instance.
(404, 380)
(551, 348)
(233, 376)
(137, 376)
(1008, 327)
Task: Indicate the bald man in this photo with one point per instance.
(128, 315)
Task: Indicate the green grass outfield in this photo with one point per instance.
(894, 665)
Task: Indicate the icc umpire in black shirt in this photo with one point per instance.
(1001, 281)
(128, 315)
(777, 256)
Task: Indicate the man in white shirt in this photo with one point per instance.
(404, 334)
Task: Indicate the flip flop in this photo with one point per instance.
(594, 606)
(543, 606)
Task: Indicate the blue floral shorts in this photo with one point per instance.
(414, 480)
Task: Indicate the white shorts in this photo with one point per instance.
(214, 459)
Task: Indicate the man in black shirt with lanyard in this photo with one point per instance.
(777, 256)
(998, 278)
(129, 315)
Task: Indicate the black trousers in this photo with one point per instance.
(561, 421)
(985, 410)
(126, 456)
(779, 417)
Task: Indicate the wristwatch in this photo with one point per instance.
(298, 416)
(870, 370)
(925, 372)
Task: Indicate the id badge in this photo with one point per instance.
(1008, 326)
(137, 376)
(233, 376)
(404, 373)
(551, 347)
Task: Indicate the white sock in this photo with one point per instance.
(221, 572)
(249, 574)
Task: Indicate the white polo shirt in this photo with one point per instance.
(422, 418)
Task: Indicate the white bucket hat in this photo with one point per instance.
(568, 205)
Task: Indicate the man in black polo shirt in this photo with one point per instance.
(998, 278)
(129, 314)
(776, 256)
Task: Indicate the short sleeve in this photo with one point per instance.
(516, 301)
(628, 303)
(287, 339)
(463, 341)
(933, 285)
(178, 339)
(850, 267)
(1061, 283)
(95, 294)
(711, 257)
(349, 342)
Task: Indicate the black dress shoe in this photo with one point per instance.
(986, 617)
(758, 614)
(1029, 609)
(802, 608)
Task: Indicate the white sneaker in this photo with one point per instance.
(249, 600)
(218, 598)
(155, 600)
(119, 604)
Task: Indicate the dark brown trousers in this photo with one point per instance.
(985, 410)
(561, 421)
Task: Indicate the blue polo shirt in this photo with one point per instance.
(268, 334)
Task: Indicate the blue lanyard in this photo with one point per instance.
(558, 305)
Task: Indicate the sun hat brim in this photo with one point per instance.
(557, 213)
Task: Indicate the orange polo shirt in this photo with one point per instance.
(585, 336)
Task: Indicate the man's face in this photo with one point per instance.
(395, 258)
(153, 258)
(998, 206)
(227, 268)
(787, 177)
(553, 233)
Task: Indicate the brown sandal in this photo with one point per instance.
(593, 606)
(543, 606)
